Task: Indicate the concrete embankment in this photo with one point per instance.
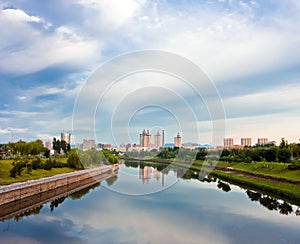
(24, 190)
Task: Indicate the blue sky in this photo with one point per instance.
(250, 50)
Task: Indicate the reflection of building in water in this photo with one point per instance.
(145, 174)
(156, 174)
(145, 139)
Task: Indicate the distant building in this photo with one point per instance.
(107, 146)
(88, 144)
(262, 141)
(228, 142)
(48, 145)
(66, 137)
(145, 139)
(177, 140)
(163, 138)
(157, 140)
(246, 142)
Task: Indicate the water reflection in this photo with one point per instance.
(193, 211)
(22, 208)
(148, 170)
(271, 203)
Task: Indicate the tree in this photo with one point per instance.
(56, 144)
(73, 160)
(270, 154)
(201, 154)
(284, 155)
(284, 143)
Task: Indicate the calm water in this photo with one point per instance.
(189, 211)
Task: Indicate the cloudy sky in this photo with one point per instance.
(250, 50)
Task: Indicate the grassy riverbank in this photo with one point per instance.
(6, 166)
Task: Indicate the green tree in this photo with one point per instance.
(270, 154)
(73, 160)
(56, 144)
(284, 155)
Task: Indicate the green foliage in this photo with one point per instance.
(48, 164)
(18, 168)
(284, 155)
(73, 160)
(56, 145)
(36, 163)
(111, 158)
(270, 154)
(22, 148)
(168, 153)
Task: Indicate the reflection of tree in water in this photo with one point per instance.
(33, 211)
(269, 203)
(164, 168)
(133, 164)
(254, 196)
(110, 181)
(207, 178)
(54, 204)
(79, 194)
(272, 203)
(285, 208)
(224, 186)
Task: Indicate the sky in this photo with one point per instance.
(248, 50)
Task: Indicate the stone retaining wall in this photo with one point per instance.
(19, 191)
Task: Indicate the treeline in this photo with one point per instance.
(60, 146)
(32, 148)
(283, 153)
(79, 159)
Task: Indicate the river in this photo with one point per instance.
(145, 204)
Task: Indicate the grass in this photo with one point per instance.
(277, 170)
(6, 166)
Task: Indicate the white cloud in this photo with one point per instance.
(111, 14)
(18, 15)
(28, 49)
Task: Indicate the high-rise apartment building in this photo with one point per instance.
(145, 139)
(66, 137)
(177, 140)
(157, 140)
(228, 142)
(262, 141)
(88, 144)
(246, 142)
